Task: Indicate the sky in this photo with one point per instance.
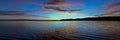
(61, 9)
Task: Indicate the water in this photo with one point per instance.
(60, 30)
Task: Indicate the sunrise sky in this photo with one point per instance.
(57, 9)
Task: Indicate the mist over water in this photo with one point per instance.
(60, 30)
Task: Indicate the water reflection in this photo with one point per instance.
(60, 30)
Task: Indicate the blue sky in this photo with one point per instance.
(87, 7)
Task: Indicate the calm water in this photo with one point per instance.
(60, 30)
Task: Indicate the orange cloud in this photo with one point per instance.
(109, 13)
(56, 3)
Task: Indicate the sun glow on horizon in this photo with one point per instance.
(66, 15)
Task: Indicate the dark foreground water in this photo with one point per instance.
(59, 30)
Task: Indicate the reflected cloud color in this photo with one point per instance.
(72, 30)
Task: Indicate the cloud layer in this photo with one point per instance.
(12, 13)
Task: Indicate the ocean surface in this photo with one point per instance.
(59, 30)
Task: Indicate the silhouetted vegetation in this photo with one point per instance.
(107, 18)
